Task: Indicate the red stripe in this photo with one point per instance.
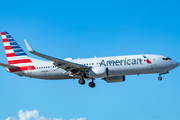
(7, 47)
(10, 54)
(2, 33)
(23, 68)
(148, 61)
(19, 61)
(5, 40)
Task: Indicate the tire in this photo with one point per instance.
(92, 84)
(159, 78)
(81, 81)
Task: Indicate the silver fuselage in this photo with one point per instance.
(118, 65)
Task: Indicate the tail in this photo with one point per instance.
(15, 54)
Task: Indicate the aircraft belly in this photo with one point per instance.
(129, 70)
(49, 74)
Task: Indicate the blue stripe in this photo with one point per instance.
(8, 36)
(18, 50)
(144, 56)
(6, 33)
(15, 47)
(13, 43)
(11, 40)
(20, 54)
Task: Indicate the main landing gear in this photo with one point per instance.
(82, 82)
(92, 84)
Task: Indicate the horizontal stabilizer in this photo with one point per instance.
(7, 66)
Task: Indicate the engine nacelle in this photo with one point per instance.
(114, 79)
(98, 72)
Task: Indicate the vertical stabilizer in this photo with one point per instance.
(15, 54)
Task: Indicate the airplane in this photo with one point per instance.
(111, 69)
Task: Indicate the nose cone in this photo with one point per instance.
(174, 64)
(177, 64)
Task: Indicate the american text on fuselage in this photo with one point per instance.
(121, 62)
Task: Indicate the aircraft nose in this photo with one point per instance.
(175, 64)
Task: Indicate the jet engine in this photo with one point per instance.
(98, 72)
(114, 79)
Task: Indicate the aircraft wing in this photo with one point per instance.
(63, 64)
(7, 66)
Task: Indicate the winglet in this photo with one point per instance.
(28, 46)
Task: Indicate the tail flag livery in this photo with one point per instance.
(15, 54)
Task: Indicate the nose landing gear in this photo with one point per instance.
(162, 73)
(160, 78)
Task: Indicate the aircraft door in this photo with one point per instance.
(153, 64)
(154, 61)
(29, 71)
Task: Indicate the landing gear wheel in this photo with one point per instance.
(92, 84)
(160, 78)
(81, 81)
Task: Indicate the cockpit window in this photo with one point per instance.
(167, 58)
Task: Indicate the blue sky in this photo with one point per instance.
(83, 29)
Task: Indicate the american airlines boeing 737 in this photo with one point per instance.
(110, 69)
